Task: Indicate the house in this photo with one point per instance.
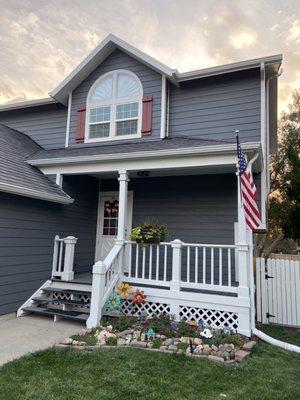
(124, 138)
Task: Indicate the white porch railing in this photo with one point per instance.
(181, 276)
(106, 275)
(63, 257)
(192, 266)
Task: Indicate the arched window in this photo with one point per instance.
(114, 106)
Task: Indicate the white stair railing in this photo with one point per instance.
(106, 275)
(63, 258)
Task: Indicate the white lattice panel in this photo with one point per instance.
(214, 318)
(151, 308)
(61, 296)
(85, 298)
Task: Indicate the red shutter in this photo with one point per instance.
(80, 124)
(147, 115)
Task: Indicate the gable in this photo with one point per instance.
(151, 82)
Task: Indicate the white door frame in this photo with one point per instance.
(99, 216)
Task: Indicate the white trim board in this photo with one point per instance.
(35, 194)
(214, 150)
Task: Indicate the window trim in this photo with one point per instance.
(113, 104)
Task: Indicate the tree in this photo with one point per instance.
(284, 198)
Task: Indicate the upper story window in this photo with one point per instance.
(114, 107)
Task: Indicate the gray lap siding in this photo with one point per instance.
(214, 108)
(27, 230)
(151, 82)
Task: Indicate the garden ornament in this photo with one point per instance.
(206, 333)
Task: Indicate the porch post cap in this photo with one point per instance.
(99, 268)
(176, 243)
(70, 239)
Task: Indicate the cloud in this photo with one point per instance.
(242, 40)
(43, 41)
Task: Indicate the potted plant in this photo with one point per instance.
(149, 232)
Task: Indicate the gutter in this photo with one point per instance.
(212, 149)
(35, 194)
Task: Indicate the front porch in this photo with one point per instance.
(201, 273)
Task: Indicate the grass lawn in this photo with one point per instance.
(270, 373)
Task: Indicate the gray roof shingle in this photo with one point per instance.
(126, 147)
(17, 175)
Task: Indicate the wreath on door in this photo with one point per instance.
(111, 207)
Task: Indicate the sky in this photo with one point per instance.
(43, 40)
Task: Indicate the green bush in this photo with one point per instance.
(111, 341)
(156, 343)
(186, 330)
(120, 323)
(161, 324)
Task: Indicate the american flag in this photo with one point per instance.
(248, 190)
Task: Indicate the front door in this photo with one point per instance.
(107, 228)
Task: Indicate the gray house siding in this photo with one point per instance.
(45, 125)
(197, 209)
(214, 108)
(27, 230)
(151, 82)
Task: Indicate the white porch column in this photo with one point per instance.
(176, 276)
(68, 273)
(123, 193)
(98, 291)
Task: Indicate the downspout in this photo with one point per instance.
(163, 107)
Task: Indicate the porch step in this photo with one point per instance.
(73, 291)
(45, 299)
(62, 313)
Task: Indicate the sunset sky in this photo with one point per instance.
(43, 40)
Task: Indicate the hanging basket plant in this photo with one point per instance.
(148, 233)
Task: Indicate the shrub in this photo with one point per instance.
(120, 323)
(156, 343)
(161, 325)
(111, 341)
(186, 330)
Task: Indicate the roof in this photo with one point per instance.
(141, 149)
(97, 56)
(111, 42)
(273, 62)
(28, 104)
(17, 176)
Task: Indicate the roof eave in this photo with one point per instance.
(28, 104)
(212, 149)
(230, 68)
(35, 194)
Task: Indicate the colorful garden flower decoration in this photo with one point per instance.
(139, 297)
(114, 302)
(124, 290)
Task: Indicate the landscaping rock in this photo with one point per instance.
(67, 341)
(248, 346)
(163, 348)
(240, 355)
(198, 350)
(121, 342)
(136, 343)
(206, 350)
(81, 344)
(198, 341)
(75, 342)
(125, 333)
(180, 351)
(214, 348)
(137, 335)
(150, 345)
(185, 339)
(169, 341)
(231, 362)
(216, 358)
(225, 355)
(173, 348)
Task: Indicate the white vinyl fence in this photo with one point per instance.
(278, 291)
